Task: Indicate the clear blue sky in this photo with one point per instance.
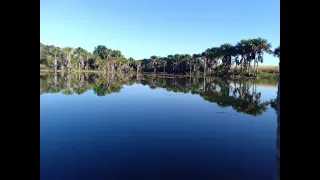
(142, 28)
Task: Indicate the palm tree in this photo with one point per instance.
(138, 65)
(242, 54)
(108, 54)
(130, 63)
(154, 63)
(205, 56)
(88, 55)
(260, 46)
(211, 58)
(227, 51)
(176, 61)
(237, 62)
(103, 64)
(251, 54)
(55, 52)
(247, 52)
(117, 60)
(196, 61)
(112, 64)
(240, 48)
(170, 60)
(276, 52)
(80, 53)
(186, 60)
(67, 51)
(163, 62)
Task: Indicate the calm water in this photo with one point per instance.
(96, 126)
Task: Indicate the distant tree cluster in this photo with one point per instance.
(245, 57)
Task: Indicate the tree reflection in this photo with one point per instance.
(240, 95)
(235, 94)
(277, 107)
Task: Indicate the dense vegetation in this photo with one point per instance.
(240, 59)
(239, 94)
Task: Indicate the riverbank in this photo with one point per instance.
(166, 75)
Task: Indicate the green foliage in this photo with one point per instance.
(276, 52)
(273, 104)
(260, 73)
(216, 61)
(100, 51)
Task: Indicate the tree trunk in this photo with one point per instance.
(69, 61)
(82, 63)
(173, 65)
(86, 65)
(55, 64)
(236, 67)
(254, 66)
(164, 69)
(205, 66)
(126, 68)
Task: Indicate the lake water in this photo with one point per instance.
(117, 126)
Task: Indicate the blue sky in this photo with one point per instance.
(142, 28)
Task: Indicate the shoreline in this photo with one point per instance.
(164, 75)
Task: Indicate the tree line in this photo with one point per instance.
(241, 95)
(243, 58)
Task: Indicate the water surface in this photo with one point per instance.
(118, 126)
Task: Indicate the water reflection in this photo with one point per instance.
(277, 107)
(240, 95)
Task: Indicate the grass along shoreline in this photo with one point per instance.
(263, 72)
